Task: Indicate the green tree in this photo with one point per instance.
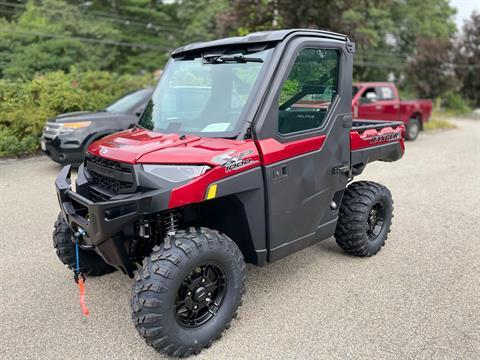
(430, 68)
(200, 19)
(386, 32)
(416, 19)
(467, 53)
(123, 35)
(137, 35)
(151, 25)
(10, 9)
(245, 16)
(50, 36)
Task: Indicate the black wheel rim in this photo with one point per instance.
(200, 295)
(376, 221)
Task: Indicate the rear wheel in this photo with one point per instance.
(91, 264)
(364, 219)
(187, 291)
(413, 128)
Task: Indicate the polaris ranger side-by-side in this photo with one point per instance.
(243, 154)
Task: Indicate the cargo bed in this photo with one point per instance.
(372, 140)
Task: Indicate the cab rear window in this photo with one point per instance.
(385, 93)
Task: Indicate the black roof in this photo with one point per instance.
(258, 37)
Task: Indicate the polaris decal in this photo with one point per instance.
(232, 160)
(384, 137)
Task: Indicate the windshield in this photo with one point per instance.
(129, 102)
(204, 95)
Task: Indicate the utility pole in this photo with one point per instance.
(275, 14)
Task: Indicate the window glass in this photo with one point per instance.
(205, 93)
(369, 94)
(385, 93)
(129, 102)
(309, 90)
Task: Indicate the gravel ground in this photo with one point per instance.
(418, 298)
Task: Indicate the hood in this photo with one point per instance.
(85, 116)
(148, 147)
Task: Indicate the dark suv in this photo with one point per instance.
(66, 137)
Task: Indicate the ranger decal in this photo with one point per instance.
(384, 137)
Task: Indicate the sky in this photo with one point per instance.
(464, 10)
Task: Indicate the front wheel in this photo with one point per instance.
(364, 219)
(187, 291)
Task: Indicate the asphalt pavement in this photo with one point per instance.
(419, 298)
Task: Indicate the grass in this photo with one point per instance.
(438, 123)
(450, 114)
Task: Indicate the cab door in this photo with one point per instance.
(369, 107)
(388, 105)
(303, 139)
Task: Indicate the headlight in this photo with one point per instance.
(176, 173)
(67, 128)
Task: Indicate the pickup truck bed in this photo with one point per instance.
(372, 140)
(420, 108)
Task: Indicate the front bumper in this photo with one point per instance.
(104, 222)
(58, 152)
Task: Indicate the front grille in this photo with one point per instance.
(110, 176)
(109, 164)
(110, 184)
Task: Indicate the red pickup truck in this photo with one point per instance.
(380, 101)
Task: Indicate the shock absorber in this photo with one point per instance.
(170, 222)
(144, 229)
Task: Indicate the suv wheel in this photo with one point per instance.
(91, 264)
(413, 129)
(365, 217)
(187, 291)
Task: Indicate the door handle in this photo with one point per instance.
(379, 107)
(280, 172)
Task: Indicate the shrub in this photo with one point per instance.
(455, 103)
(13, 146)
(25, 106)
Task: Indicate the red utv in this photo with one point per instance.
(244, 154)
